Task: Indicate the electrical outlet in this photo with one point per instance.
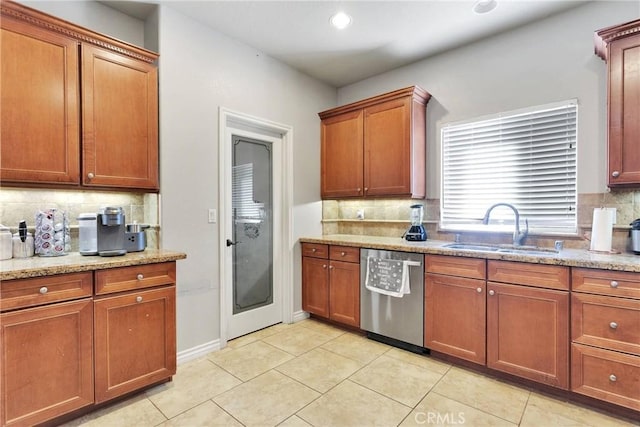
(213, 216)
(360, 214)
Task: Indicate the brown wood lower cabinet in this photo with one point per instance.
(344, 292)
(47, 362)
(134, 341)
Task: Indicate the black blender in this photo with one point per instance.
(417, 232)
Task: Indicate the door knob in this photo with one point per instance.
(230, 243)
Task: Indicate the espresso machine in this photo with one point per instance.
(417, 232)
(111, 232)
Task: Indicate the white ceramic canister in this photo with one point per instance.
(6, 245)
(88, 233)
(22, 249)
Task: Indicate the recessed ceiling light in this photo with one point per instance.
(340, 20)
(484, 6)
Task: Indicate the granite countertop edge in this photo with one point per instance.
(567, 257)
(21, 268)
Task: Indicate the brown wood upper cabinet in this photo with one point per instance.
(62, 78)
(620, 47)
(375, 147)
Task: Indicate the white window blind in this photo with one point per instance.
(526, 158)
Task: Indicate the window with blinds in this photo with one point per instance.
(526, 158)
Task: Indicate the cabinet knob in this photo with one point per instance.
(613, 378)
(90, 175)
(140, 276)
(366, 189)
(613, 325)
(359, 190)
(331, 267)
(343, 253)
(324, 265)
(615, 174)
(479, 290)
(492, 292)
(614, 284)
(44, 290)
(138, 299)
(313, 249)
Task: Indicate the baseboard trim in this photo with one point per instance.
(300, 315)
(198, 351)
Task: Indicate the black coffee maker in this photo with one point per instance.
(417, 232)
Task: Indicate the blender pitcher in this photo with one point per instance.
(416, 232)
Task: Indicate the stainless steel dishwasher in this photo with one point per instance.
(388, 313)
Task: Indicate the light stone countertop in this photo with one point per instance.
(20, 268)
(567, 257)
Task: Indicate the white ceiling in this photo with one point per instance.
(384, 34)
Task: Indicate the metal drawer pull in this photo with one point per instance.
(140, 276)
(614, 284)
(44, 290)
(613, 325)
(138, 299)
(491, 292)
(613, 378)
(479, 290)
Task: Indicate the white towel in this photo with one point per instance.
(389, 277)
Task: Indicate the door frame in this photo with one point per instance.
(230, 121)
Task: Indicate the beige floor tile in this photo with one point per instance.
(546, 411)
(350, 404)
(240, 341)
(319, 369)
(194, 383)
(294, 421)
(435, 410)
(204, 415)
(422, 360)
(266, 400)
(137, 411)
(298, 340)
(272, 330)
(356, 347)
(324, 328)
(397, 379)
(251, 360)
(483, 393)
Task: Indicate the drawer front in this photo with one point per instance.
(522, 273)
(315, 250)
(473, 268)
(21, 293)
(606, 282)
(344, 253)
(606, 375)
(607, 322)
(135, 277)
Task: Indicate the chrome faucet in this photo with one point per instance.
(518, 237)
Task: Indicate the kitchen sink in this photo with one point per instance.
(524, 250)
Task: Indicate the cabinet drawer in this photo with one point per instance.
(473, 268)
(22, 293)
(315, 250)
(522, 273)
(606, 282)
(606, 375)
(608, 322)
(135, 277)
(344, 253)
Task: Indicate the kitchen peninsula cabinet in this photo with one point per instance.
(331, 282)
(619, 46)
(62, 80)
(375, 147)
(528, 321)
(605, 332)
(455, 307)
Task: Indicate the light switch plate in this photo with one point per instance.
(213, 216)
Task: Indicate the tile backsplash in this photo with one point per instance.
(390, 217)
(18, 203)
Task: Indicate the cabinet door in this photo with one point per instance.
(455, 316)
(389, 150)
(315, 286)
(40, 98)
(528, 333)
(344, 292)
(46, 362)
(341, 157)
(120, 121)
(624, 111)
(135, 341)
